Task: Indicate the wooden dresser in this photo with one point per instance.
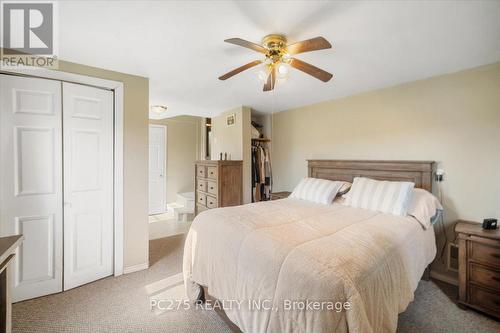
(479, 267)
(218, 184)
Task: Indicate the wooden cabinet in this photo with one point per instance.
(218, 184)
(479, 267)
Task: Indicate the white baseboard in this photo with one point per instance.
(444, 278)
(136, 268)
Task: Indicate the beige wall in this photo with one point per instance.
(235, 141)
(452, 119)
(183, 149)
(135, 155)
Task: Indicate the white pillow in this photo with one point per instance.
(316, 190)
(424, 207)
(380, 195)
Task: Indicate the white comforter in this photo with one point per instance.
(287, 250)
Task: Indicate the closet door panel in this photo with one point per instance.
(31, 181)
(34, 150)
(36, 258)
(88, 184)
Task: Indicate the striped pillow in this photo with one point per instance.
(316, 190)
(384, 196)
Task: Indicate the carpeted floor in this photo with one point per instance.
(122, 304)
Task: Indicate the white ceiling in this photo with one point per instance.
(179, 46)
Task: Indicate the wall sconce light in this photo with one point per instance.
(439, 175)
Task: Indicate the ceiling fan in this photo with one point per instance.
(278, 56)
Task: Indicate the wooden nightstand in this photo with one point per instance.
(479, 267)
(280, 195)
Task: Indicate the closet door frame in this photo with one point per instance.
(117, 88)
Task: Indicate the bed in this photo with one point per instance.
(295, 266)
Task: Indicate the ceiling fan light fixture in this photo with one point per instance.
(286, 58)
(283, 70)
(279, 58)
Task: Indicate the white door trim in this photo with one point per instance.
(117, 88)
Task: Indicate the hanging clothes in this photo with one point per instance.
(268, 180)
(261, 173)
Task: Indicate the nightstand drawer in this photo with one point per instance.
(211, 202)
(486, 254)
(202, 185)
(485, 299)
(484, 276)
(202, 199)
(479, 267)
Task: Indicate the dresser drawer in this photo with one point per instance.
(212, 172)
(484, 253)
(201, 171)
(485, 276)
(212, 187)
(201, 185)
(202, 199)
(485, 299)
(211, 201)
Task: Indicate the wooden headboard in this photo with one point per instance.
(419, 172)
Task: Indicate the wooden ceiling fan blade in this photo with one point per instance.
(311, 70)
(313, 44)
(247, 44)
(240, 69)
(271, 80)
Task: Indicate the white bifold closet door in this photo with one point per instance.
(31, 181)
(56, 182)
(88, 184)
